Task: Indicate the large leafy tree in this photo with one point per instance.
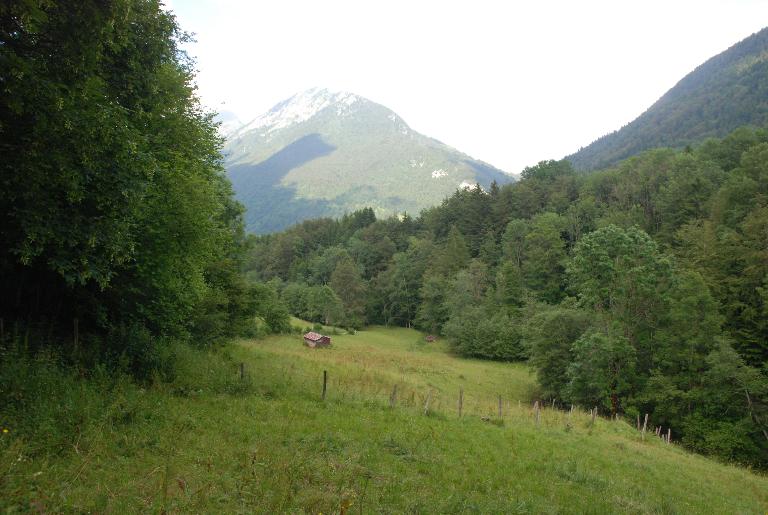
(115, 207)
(348, 284)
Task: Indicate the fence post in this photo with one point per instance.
(461, 400)
(537, 408)
(76, 331)
(500, 406)
(645, 424)
(669, 434)
(426, 404)
(242, 370)
(594, 414)
(393, 397)
(325, 382)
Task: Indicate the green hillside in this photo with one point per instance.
(728, 91)
(211, 442)
(321, 153)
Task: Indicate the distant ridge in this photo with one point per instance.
(324, 153)
(727, 91)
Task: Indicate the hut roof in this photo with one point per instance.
(313, 336)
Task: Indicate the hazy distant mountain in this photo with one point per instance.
(726, 92)
(228, 123)
(324, 153)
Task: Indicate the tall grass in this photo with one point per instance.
(209, 441)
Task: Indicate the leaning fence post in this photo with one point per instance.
(645, 423)
(325, 382)
(669, 434)
(426, 404)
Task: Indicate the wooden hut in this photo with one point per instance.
(430, 338)
(313, 339)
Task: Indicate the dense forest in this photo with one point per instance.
(120, 235)
(639, 289)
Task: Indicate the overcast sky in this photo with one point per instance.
(511, 83)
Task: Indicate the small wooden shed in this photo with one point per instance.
(313, 339)
(430, 338)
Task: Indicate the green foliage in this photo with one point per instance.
(549, 334)
(116, 210)
(348, 284)
(454, 254)
(544, 257)
(433, 312)
(602, 369)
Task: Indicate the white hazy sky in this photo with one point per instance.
(507, 82)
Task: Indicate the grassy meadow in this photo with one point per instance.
(211, 442)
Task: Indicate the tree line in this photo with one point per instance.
(638, 289)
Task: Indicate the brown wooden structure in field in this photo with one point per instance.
(430, 338)
(313, 339)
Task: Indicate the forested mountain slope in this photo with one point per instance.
(324, 153)
(728, 91)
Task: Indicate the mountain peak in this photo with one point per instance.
(301, 107)
(324, 153)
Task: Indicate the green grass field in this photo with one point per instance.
(212, 443)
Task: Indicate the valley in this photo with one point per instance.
(172, 272)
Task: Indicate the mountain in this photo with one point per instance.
(727, 91)
(228, 122)
(324, 153)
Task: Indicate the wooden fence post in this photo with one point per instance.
(594, 414)
(537, 408)
(426, 404)
(393, 397)
(325, 382)
(242, 370)
(500, 406)
(638, 421)
(553, 403)
(76, 330)
(461, 400)
(669, 434)
(645, 424)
